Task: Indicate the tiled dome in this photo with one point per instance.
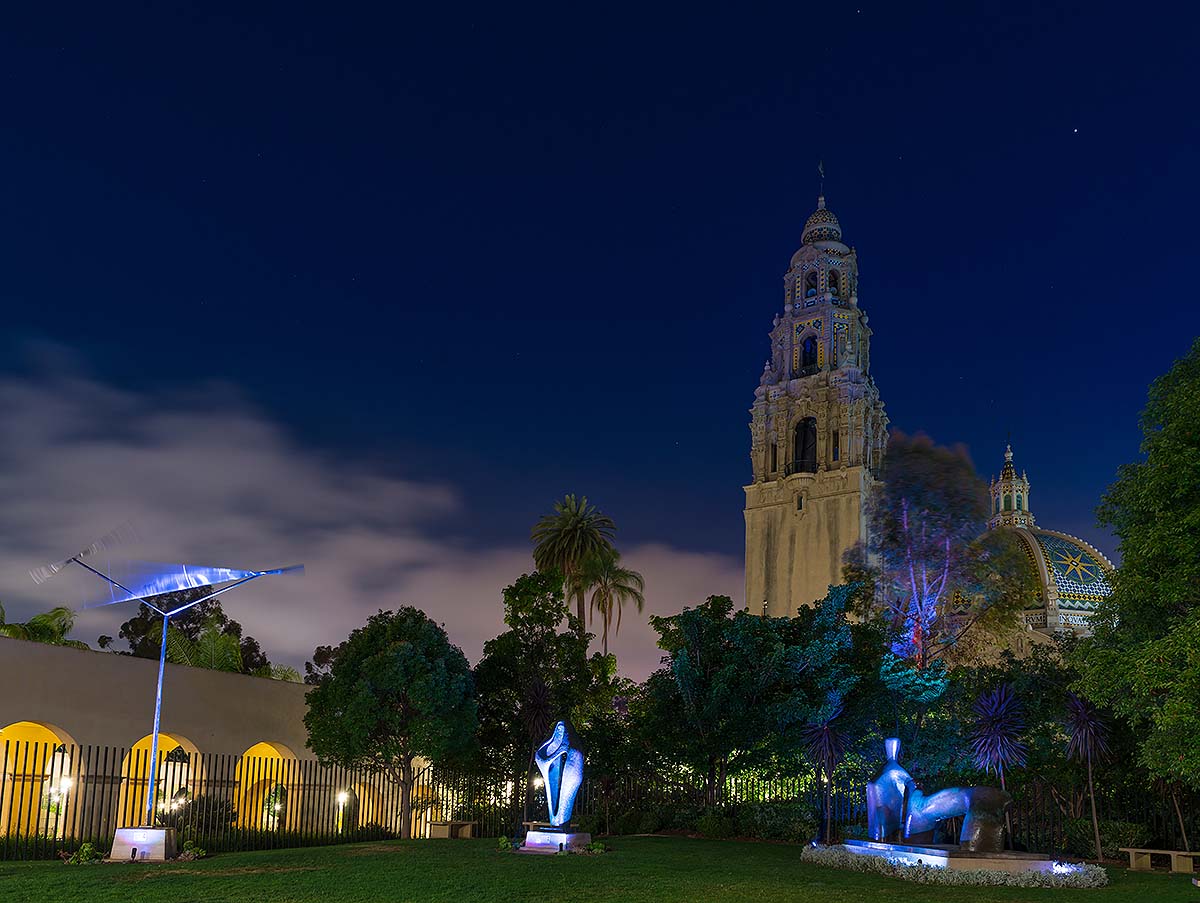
(822, 225)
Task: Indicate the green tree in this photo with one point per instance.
(939, 574)
(533, 674)
(50, 627)
(212, 649)
(1141, 661)
(727, 684)
(397, 689)
(565, 540)
(611, 586)
(143, 631)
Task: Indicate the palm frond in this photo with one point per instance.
(1087, 730)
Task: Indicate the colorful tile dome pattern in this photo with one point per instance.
(1080, 574)
(822, 225)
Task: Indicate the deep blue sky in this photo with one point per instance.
(529, 252)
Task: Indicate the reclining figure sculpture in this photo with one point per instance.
(562, 772)
(899, 812)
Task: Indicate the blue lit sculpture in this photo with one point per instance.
(148, 582)
(898, 811)
(562, 772)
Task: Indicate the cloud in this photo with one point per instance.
(208, 479)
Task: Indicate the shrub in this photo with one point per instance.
(200, 815)
(87, 854)
(191, 852)
(782, 820)
(650, 822)
(1113, 835)
(716, 824)
(1082, 875)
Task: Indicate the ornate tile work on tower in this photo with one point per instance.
(1080, 579)
(818, 326)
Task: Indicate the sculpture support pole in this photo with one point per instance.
(162, 664)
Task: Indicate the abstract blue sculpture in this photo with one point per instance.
(561, 766)
(897, 811)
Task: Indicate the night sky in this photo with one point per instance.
(451, 263)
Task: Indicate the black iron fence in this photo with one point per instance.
(53, 798)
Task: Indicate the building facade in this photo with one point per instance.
(1072, 574)
(817, 429)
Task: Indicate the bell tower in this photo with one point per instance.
(817, 429)
(1010, 496)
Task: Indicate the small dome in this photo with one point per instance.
(1009, 472)
(822, 225)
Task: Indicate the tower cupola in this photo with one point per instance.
(1010, 496)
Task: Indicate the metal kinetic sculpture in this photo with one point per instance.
(147, 582)
(562, 772)
(897, 811)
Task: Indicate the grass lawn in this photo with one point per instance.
(650, 869)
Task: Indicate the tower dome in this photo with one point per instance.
(822, 225)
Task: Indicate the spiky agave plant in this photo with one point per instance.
(996, 743)
(1087, 741)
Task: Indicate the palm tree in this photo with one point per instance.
(612, 586)
(564, 540)
(1087, 740)
(996, 743)
(50, 627)
(823, 739)
(212, 649)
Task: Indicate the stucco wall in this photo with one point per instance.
(794, 555)
(108, 700)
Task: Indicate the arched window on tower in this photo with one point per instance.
(1007, 502)
(810, 285)
(1019, 501)
(834, 282)
(804, 454)
(808, 355)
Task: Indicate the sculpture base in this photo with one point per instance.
(143, 845)
(949, 856)
(553, 840)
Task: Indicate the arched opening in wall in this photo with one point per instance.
(177, 781)
(1007, 502)
(42, 776)
(835, 283)
(1020, 501)
(774, 458)
(810, 285)
(808, 354)
(804, 457)
(267, 793)
(359, 805)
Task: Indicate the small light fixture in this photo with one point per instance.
(64, 786)
(538, 782)
(342, 798)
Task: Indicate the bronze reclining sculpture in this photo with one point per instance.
(898, 812)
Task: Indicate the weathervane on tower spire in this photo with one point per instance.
(821, 193)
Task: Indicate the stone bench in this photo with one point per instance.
(451, 829)
(1139, 859)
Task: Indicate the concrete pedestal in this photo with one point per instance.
(143, 845)
(553, 840)
(949, 856)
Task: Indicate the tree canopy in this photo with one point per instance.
(1143, 661)
(396, 689)
(936, 571)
